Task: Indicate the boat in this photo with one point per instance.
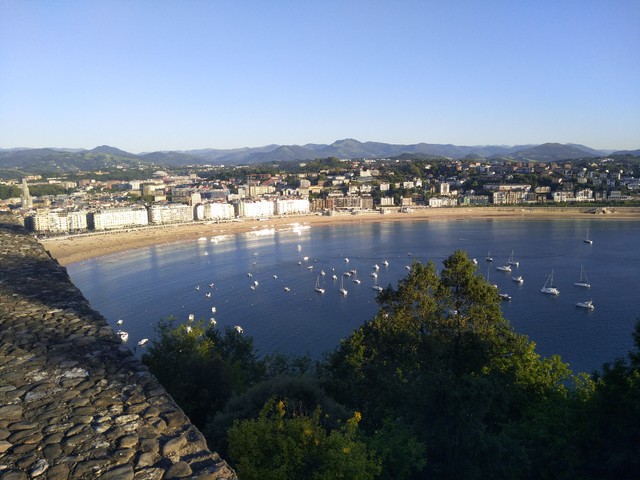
(582, 280)
(305, 258)
(212, 321)
(197, 287)
(518, 279)
(213, 309)
(548, 287)
(408, 267)
(119, 322)
(343, 290)
(374, 274)
(513, 262)
(191, 317)
(318, 288)
(275, 276)
(143, 342)
(587, 239)
(376, 267)
(208, 294)
(489, 258)
(474, 261)
(505, 297)
(347, 274)
(588, 304)
(238, 329)
(249, 274)
(211, 285)
(124, 336)
(504, 268)
(334, 276)
(376, 286)
(287, 289)
(346, 260)
(385, 263)
(322, 273)
(310, 267)
(355, 278)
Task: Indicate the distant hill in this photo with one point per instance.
(70, 160)
(554, 152)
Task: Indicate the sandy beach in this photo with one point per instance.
(76, 248)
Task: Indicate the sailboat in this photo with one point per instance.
(513, 262)
(376, 286)
(343, 290)
(588, 304)
(582, 280)
(548, 287)
(587, 239)
(318, 288)
(489, 257)
(355, 277)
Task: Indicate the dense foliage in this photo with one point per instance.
(436, 385)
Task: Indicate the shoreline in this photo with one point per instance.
(77, 248)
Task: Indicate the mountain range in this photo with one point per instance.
(66, 160)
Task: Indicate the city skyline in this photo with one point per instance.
(148, 76)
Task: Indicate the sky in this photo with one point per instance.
(148, 75)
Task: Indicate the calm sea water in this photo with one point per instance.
(148, 284)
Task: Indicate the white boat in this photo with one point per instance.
(310, 267)
(238, 329)
(197, 287)
(582, 280)
(191, 317)
(208, 294)
(355, 278)
(334, 276)
(504, 268)
(512, 261)
(548, 287)
(143, 342)
(305, 258)
(346, 260)
(505, 296)
(318, 288)
(275, 276)
(213, 309)
(322, 273)
(343, 290)
(212, 321)
(408, 267)
(376, 286)
(376, 267)
(287, 289)
(385, 263)
(211, 285)
(474, 261)
(374, 274)
(588, 304)
(119, 322)
(124, 336)
(347, 274)
(517, 279)
(587, 239)
(489, 258)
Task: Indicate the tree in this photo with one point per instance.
(200, 367)
(440, 359)
(282, 445)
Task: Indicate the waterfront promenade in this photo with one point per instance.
(74, 402)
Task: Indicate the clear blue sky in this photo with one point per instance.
(146, 75)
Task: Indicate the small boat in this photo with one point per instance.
(197, 287)
(355, 277)
(346, 260)
(211, 285)
(374, 274)
(191, 317)
(587, 239)
(322, 273)
(305, 258)
(143, 342)
(212, 321)
(299, 263)
(505, 297)
(474, 261)
(343, 290)
(275, 276)
(334, 276)
(238, 329)
(588, 304)
(517, 279)
(385, 263)
(318, 288)
(346, 274)
(287, 289)
(489, 258)
(408, 267)
(376, 267)
(124, 336)
(548, 287)
(310, 267)
(376, 286)
(252, 287)
(249, 274)
(504, 268)
(255, 282)
(208, 294)
(582, 280)
(189, 329)
(512, 261)
(213, 309)
(119, 322)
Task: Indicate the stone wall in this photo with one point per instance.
(74, 402)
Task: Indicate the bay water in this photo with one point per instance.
(250, 271)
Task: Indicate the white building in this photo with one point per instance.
(288, 206)
(164, 213)
(437, 202)
(114, 218)
(256, 209)
(214, 211)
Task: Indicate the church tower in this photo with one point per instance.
(26, 196)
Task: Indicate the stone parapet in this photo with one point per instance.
(74, 402)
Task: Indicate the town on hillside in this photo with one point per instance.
(124, 197)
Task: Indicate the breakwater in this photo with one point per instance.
(74, 402)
